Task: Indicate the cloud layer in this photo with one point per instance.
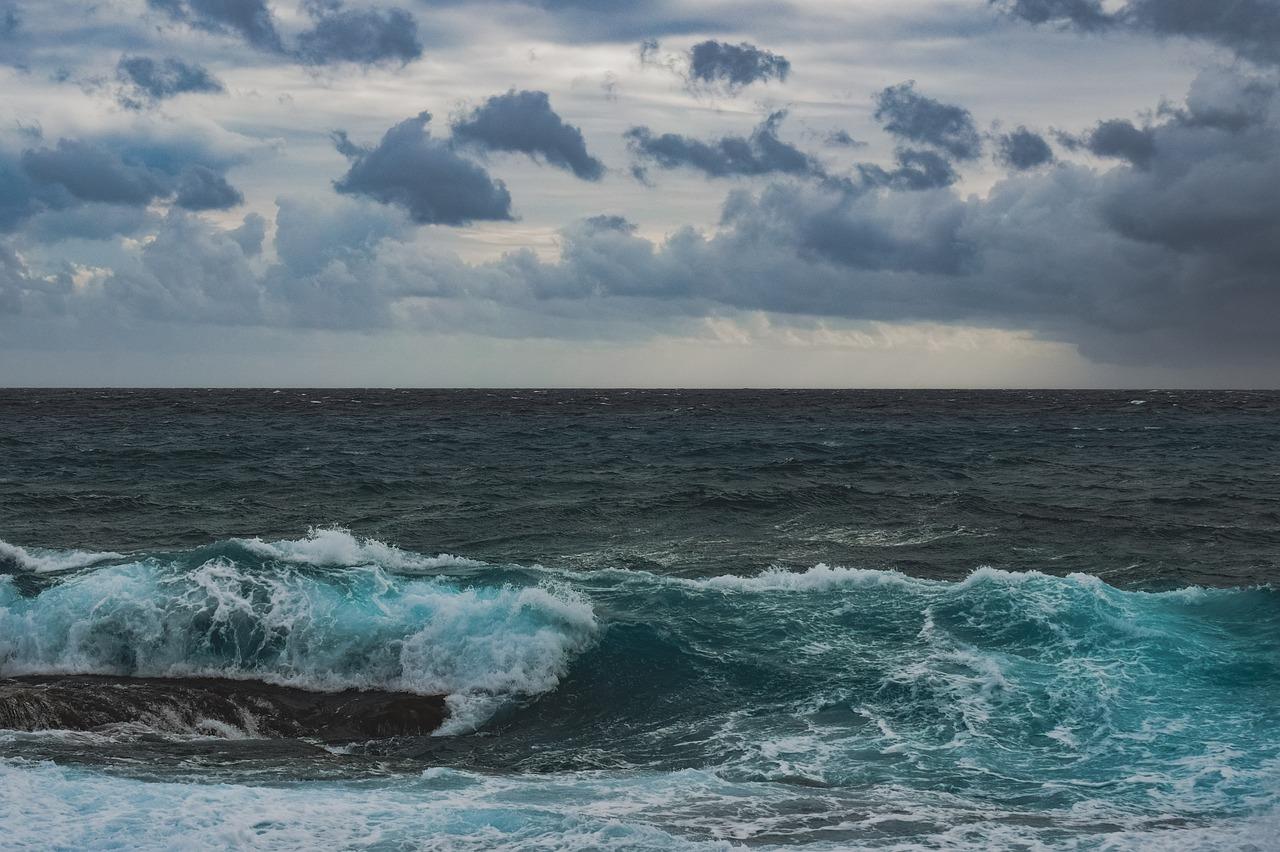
(183, 168)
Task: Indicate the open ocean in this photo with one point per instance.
(639, 619)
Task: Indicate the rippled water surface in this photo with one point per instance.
(830, 620)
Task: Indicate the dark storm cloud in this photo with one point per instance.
(909, 115)
(735, 65)
(1023, 149)
(524, 122)
(761, 153)
(1170, 263)
(149, 80)
(88, 172)
(916, 169)
(1119, 138)
(425, 176)
(201, 188)
(108, 173)
(1085, 14)
(1250, 28)
(250, 19)
(362, 36)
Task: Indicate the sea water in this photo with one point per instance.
(720, 620)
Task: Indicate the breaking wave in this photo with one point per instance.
(846, 706)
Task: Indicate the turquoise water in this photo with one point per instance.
(833, 707)
(656, 619)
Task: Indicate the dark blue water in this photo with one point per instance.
(830, 620)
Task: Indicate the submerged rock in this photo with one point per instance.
(216, 706)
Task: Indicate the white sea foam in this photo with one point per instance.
(817, 578)
(50, 561)
(45, 806)
(337, 547)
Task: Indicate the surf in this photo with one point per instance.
(827, 702)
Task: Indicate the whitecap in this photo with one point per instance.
(43, 561)
(338, 547)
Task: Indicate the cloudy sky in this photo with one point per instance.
(598, 192)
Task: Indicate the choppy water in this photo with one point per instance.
(659, 619)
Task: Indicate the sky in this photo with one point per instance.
(729, 193)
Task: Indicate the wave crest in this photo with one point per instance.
(356, 628)
(330, 547)
(50, 561)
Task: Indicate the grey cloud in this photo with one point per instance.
(1222, 100)
(913, 233)
(1023, 149)
(1084, 14)
(201, 188)
(1172, 263)
(122, 170)
(365, 36)
(250, 19)
(735, 65)
(648, 51)
(89, 172)
(623, 20)
(344, 146)
(1119, 138)
(150, 80)
(311, 236)
(10, 18)
(761, 153)
(17, 201)
(524, 122)
(1251, 28)
(917, 169)
(22, 290)
(250, 235)
(909, 115)
(425, 176)
(608, 222)
(362, 36)
(189, 272)
(842, 139)
(87, 222)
